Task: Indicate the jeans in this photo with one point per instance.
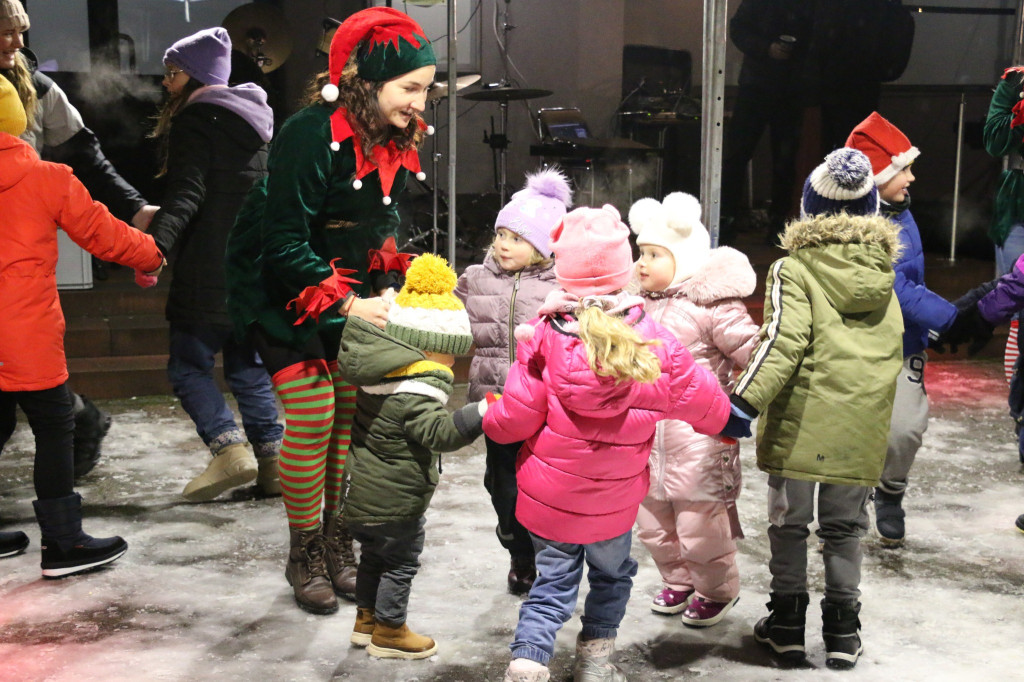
(190, 370)
(52, 420)
(552, 599)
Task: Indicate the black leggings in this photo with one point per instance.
(51, 417)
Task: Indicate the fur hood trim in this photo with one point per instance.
(727, 273)
(820, 230)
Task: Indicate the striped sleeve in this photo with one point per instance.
(784, 336)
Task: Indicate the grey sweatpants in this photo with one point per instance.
(909, 422)
(842, 522)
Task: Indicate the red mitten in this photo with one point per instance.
(145, 281)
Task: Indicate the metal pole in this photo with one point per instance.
(712, 111)
(956, 175)
(453, 77)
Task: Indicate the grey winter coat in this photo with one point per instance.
(400, 425)
(497, 302)
(707, 316)
(823, 376)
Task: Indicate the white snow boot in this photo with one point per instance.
(526, 670)
(592, 661)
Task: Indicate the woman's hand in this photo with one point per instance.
(373, 310)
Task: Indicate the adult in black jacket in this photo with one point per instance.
(215, 142)
(773, 36)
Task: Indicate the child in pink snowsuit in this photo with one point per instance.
(688, 521)
(591, 379)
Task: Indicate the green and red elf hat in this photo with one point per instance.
(389, 45)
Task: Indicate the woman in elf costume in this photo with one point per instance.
(314, 244)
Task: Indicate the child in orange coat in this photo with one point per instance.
(38, 198)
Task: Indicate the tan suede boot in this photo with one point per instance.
(267, 479)
(362, 632)
(400, 642)
(340, 558)
(231, 467)
(307, 574)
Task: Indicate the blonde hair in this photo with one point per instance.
(614, 349)
(21, 78)
(536, 258)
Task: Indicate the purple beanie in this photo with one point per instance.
(204, 56)
(538, 207)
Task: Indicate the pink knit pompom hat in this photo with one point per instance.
(592, 252)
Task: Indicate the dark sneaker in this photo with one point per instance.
(87, 554)
(889, 517)
(783, 630)
(841, 631)
(671, 601)
(703, 613)
(91, 426)
(12, 543)
(1020, 523)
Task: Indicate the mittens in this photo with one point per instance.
(145, 281)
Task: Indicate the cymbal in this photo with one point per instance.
(440, 88)
(260, 31)
(505, 94)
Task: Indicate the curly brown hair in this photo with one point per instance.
(359, 97)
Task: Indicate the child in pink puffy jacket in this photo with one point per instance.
(688, 521)
(500, 293)
(592, 378)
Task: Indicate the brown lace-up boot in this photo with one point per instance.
(307, 574)
(340, 558)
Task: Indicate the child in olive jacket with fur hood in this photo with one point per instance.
(823, 380)
(688, 521)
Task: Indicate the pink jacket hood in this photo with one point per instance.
(582, 471)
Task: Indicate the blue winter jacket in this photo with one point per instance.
(922, 308)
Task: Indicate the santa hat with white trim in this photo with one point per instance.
(885, 145)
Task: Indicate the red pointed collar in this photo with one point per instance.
(386, 159)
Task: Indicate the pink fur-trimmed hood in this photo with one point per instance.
(727, 273)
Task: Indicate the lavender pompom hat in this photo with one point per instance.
(534, 210)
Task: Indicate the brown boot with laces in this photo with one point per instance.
(340, 558)
(307, 573)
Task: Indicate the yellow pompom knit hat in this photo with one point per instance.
(425, 313)
(12, 113)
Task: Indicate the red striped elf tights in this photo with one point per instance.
(314, 447)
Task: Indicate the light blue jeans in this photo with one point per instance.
(553, 597)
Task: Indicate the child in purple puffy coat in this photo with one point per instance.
(501, 293)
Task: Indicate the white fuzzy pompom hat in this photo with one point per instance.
(673, 224)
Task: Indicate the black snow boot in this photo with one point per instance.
(889, 517)
(66, 549)
(1020, 523)
(91, 425)
(840, 628)
(12, 543)
(783, 630)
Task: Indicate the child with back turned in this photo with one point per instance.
(822, 381)
(688, 521)
(502, 292)
(38, 198)
(592, 377)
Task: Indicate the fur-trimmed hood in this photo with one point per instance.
(820, 230)
(726, 273)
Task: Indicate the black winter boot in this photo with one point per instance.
(889, 517)
(66, 549)
(521, 574)
(783, 630)
(91, 425)
(840, 628)
(12, 543)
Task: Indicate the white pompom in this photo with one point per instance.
(357, 184)
(421, 176)
(430, 130)
(335, 146)
(330, 92)
(387, 201)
